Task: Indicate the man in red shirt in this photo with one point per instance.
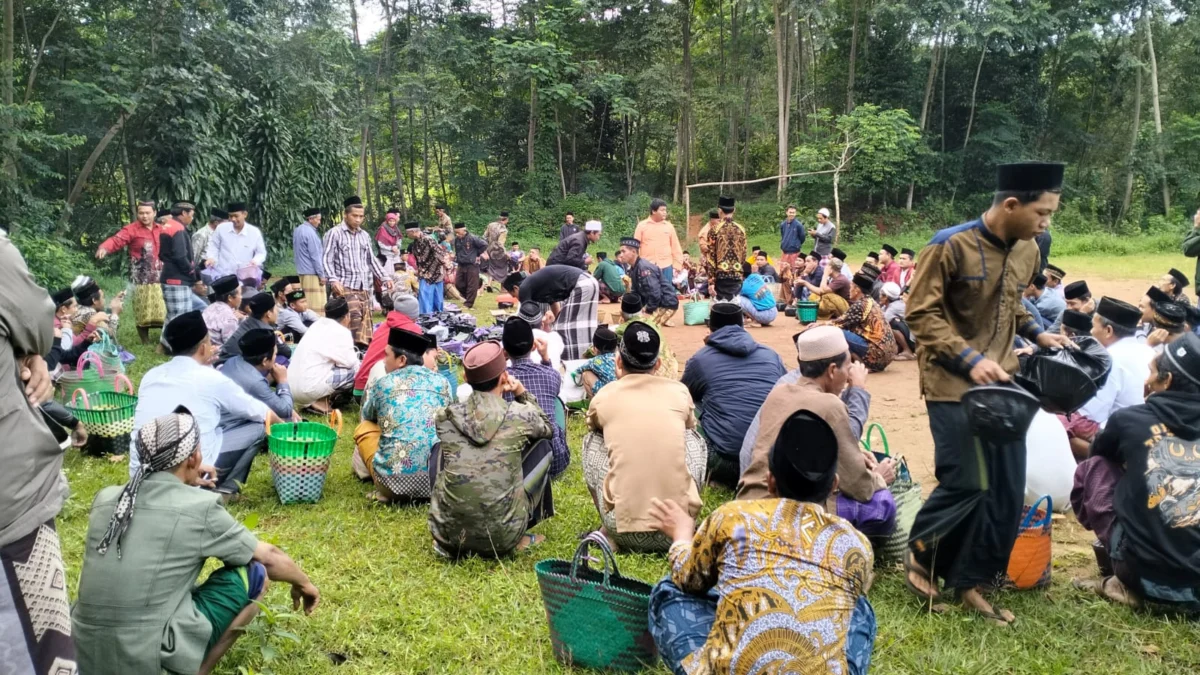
(888, 269)
(141, 237)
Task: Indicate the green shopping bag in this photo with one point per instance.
(598, 618)
(906, 492)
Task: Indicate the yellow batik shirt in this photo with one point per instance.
(788, 575)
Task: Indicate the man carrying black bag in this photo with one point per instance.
(964, 311)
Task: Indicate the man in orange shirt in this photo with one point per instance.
(660, 242)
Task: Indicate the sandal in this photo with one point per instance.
(528, 541)
(910, 568)
(996, 615)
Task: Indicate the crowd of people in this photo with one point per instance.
(247, 350)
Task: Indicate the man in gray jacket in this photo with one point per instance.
(35, 615)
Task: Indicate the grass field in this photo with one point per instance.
(389, 605)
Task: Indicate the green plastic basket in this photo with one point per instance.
(806, 312)
(300, 454)
(598, 618)
(106, 414)
(906, 492)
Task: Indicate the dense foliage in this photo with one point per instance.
(544, 103)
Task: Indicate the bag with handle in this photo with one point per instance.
(598, 618)
(906, 492)
(695, 311)
(1029, 564)
(90, 374)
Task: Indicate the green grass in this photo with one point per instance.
(389, 605)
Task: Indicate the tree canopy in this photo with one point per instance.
(288, 104)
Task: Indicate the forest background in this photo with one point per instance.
(897, 111)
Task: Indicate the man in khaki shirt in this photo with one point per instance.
(964, 310)
(660, 241)
(643, 445)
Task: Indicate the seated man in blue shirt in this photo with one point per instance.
(256, 370)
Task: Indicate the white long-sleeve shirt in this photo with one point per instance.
(203, 390)
(1125, 386)
(327, 345)
(234, 250)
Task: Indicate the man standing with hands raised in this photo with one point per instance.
(964, 311)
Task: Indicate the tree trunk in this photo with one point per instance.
(853, 56)
(127, 169)
(37, 59)
(683, 137)
(366, 185)
(562, 177)
(974, 90)
(86, 172)
(425, 156)
(1158, 132)
(532, 138)
(412, 162)
(361, 170)
(782, 92)
(437, 157)
(396, 161)
(380, 207)
(628, 158)
(933, 66)
(7, 71)
(1133, 136)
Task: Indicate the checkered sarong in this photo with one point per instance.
(577, 320)
(595, 469)
(178, 299)
(314, 290)
(360, 315)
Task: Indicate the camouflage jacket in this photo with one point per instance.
(479, 504)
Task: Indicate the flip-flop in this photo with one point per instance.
(534, 540)
(994, 617)
(911, 567)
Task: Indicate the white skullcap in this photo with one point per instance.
(892, 290)
(821, 342)
(823, 212)
(592, 226)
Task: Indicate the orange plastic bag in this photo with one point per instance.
(1029, 564)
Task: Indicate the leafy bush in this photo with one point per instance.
(53, 262)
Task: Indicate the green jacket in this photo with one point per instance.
(135, 614)
(1191, 248)
(479, 504)
(608, 272)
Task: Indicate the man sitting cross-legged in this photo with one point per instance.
(600, 369)
(775, 584)
(1138, 490)
(540, 380)
(139, 609)
(231, 422)
(404, 403)
(256, 370)
(493, 467)
(828, 385)
(642, 446)
(325, 364)
(729, 378)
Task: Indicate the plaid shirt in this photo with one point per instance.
(577, 321)
(350, 260)
(544, 383)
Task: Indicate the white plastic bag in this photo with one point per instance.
(1049, 464)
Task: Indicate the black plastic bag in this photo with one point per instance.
(1065, 379)
(999, 412)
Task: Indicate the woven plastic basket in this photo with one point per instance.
(695, 312)
(906, 492)
(300, 454)
(90, 380)
(598, 618)
(806, 312)
(107, 414)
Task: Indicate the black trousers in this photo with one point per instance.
(727, 288)
(466, 280)
(965, 531)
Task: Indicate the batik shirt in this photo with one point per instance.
(405, 404)
(479, 504)
(725, 251)
(221, 321)
(788, 575)
(604, 367)
(865, 319)
(432, 259)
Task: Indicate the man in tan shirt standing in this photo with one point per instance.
(660, 242)
(643, 446)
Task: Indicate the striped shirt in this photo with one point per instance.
(350, 260)
(544, 383)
